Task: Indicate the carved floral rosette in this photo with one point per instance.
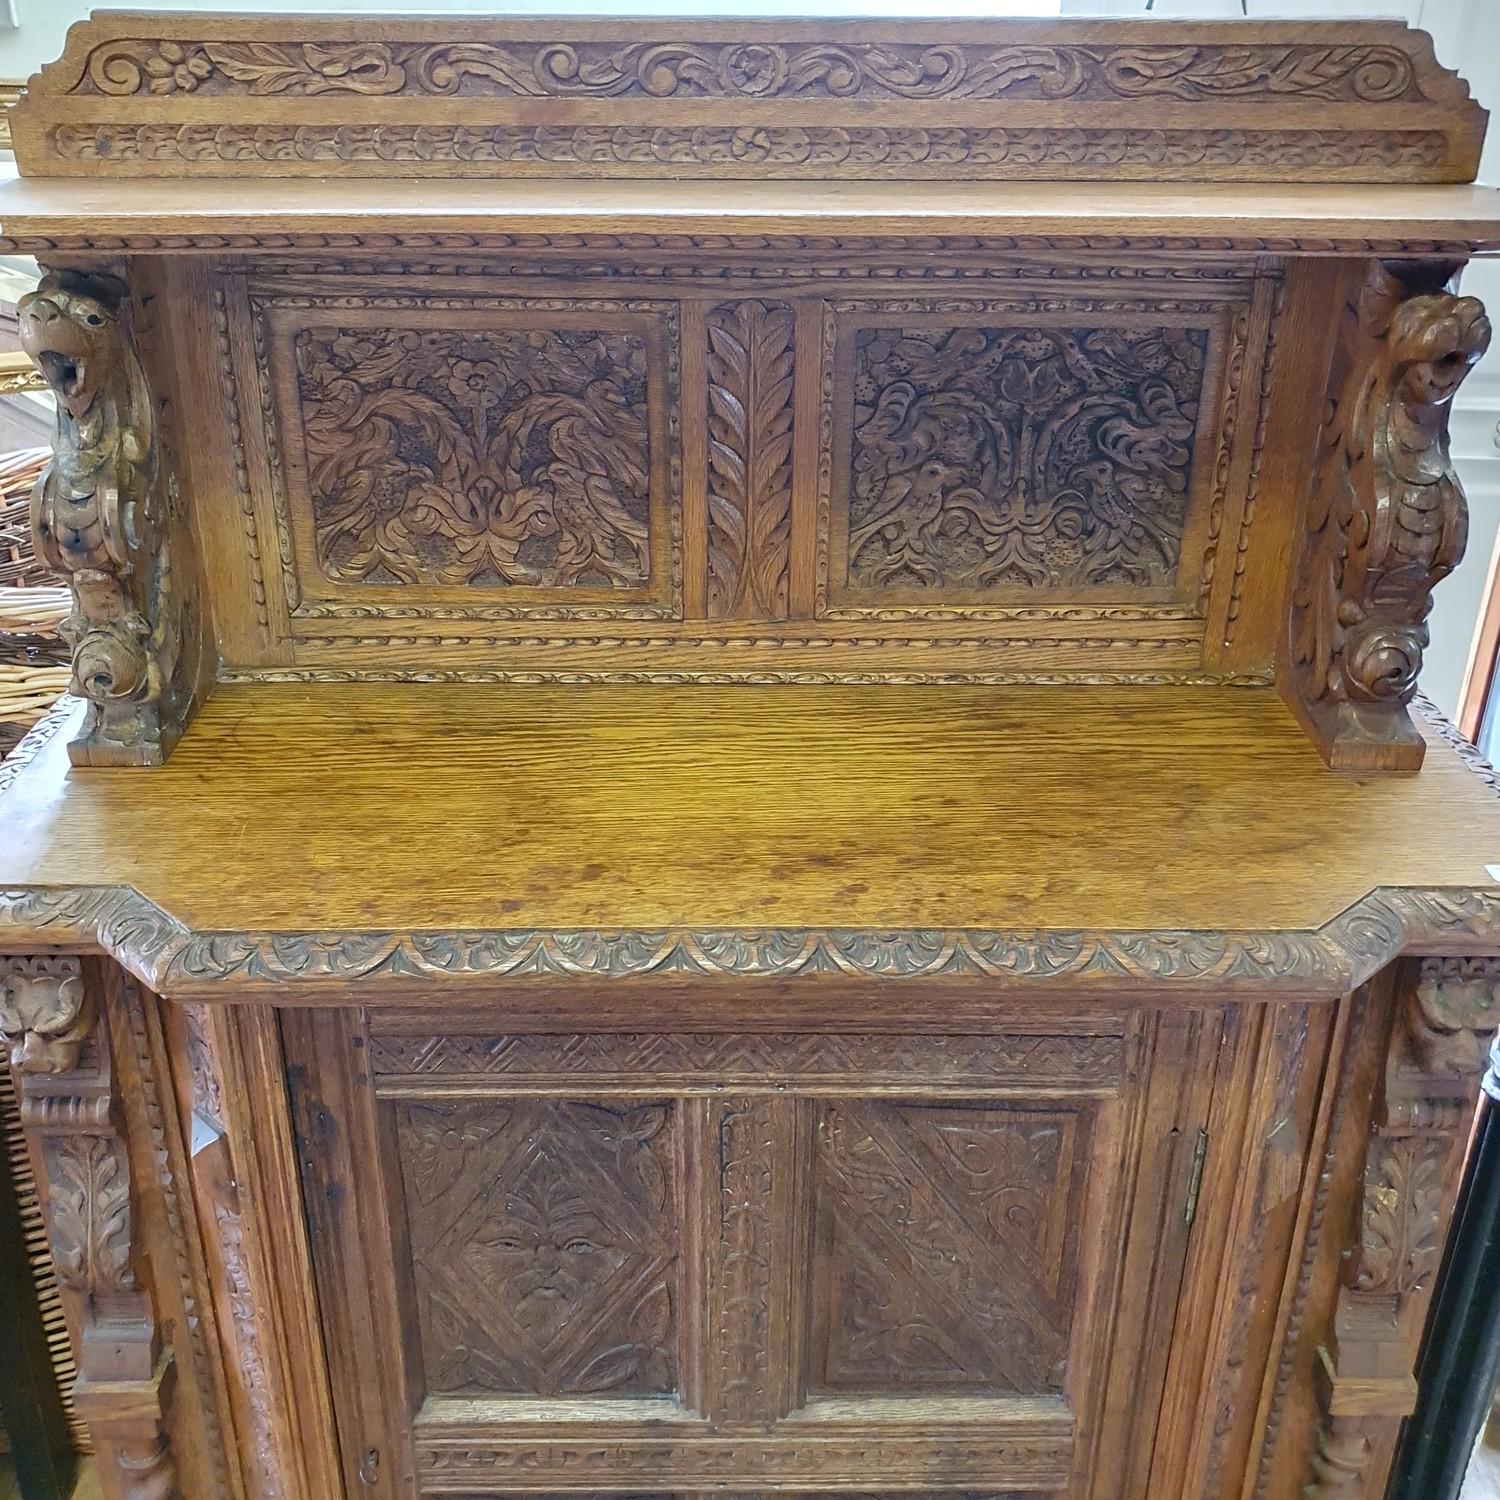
(1387, 521)
(103, 516)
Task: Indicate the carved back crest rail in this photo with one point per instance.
(157, 95)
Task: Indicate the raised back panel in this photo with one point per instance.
(217, 95)
(600, 461)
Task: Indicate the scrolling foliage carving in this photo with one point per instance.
(209, 96)
(1450, 1011)
(477, 457)
(753, 70)
(1023, 458)
(105, 515)
(1388, 520)
(68, 1108)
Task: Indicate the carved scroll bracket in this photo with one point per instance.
(1448, 1018)
(105, 515)
(69, 1110)
(1388, 520)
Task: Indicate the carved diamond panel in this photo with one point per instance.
(544, 1245)
(1022, 456)
(947, 1247)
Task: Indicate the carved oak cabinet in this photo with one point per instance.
(742, 811)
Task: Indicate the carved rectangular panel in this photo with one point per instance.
(1046, 471)
(990, 453)
(544, 1245)
(818, 99)
(463, 457)
(947, 1246)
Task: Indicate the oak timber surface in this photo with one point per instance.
(40, 206)
(296, 807)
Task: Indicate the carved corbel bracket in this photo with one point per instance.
(69, 1111)
(1449, 1014)
(1387, 519)
(105, 515)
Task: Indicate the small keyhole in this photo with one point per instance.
(369, 1466)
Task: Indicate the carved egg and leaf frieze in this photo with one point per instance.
(645, 483)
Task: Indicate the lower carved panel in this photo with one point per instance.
(758, 1495)
(947, 1247)
(1038, 1461)
(543, 1245)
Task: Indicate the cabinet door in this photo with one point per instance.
(629, 1262)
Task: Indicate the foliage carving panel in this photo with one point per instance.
(544, 1246)
(477, 456)
(1022, 459)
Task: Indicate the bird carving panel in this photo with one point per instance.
(1038, 459)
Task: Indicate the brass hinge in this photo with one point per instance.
(1195, 1182)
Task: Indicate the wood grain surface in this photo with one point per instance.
(35, 210)
(438, 806)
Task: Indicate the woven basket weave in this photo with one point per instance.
(33, 605)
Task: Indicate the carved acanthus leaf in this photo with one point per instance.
(749, 460)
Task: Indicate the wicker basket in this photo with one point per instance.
(33, 605)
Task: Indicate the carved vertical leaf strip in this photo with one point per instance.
(1449, 1011)
(750, 358)
(105, 515)
(1388, 520)
(69, 1108)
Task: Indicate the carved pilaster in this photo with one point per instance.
(1387, 519)
(1449, 1013)
(105, 514)
(68, 1107)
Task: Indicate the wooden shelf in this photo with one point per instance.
(639, 809)
(41, 209)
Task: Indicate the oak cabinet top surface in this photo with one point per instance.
(474, 807)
